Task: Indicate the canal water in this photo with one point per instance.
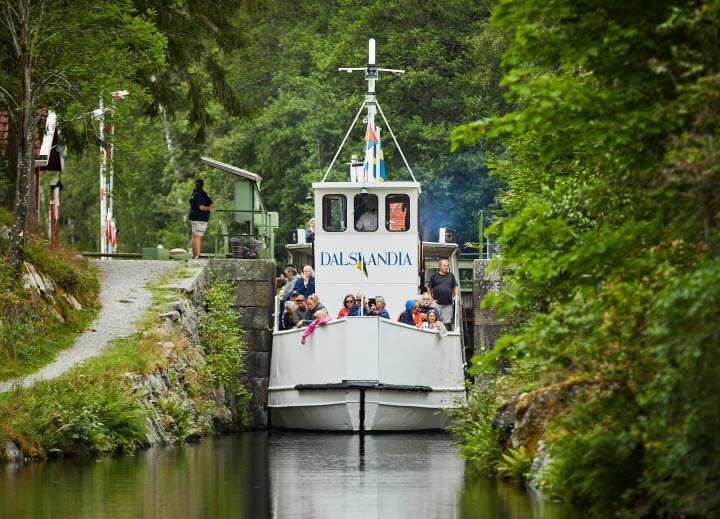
(278, 475)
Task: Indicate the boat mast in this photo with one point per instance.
(371, 75)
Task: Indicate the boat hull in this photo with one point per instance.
(365, 374)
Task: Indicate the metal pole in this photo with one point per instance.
(103, 186)
(111, 187)
(481, 231)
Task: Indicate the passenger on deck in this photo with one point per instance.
(313, 305)
(379, 309)
(417, 317)
(433, 325)
(301, 310)
(306, 282)
(289, 322)
(310, 232)
(292, 278)
(360, 307)
(426, 305)
(348, 302)
(321, 319)
(410, 313)
(444, 289)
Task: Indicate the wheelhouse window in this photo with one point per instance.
(334, 211)
(366, 212)
(397, 213)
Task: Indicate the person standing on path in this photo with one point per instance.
(444, 289)
(200, 206)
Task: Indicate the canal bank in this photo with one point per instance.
(155, 386)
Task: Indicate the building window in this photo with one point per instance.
(334, 211)
(397, 213)
(366, 212)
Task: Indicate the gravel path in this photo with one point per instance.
(124, 299)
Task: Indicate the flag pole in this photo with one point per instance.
(362, 293)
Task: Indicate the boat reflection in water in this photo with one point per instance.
(370, 476)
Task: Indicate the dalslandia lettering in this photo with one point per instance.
(390, 258)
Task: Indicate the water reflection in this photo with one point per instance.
(382, 476)
(282, 475)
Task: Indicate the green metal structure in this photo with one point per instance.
(248, 218)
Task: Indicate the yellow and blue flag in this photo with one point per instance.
(374, 158)
(361, 265)
(381, 160)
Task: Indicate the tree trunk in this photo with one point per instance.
(12, 158)
(26, 143)
(26, 160)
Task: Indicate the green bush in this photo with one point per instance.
(480, 442)
(181, 416)
(222, 338)
(596, 451)
(5, 216)
(75, 416)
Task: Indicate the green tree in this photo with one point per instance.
(62, 56)
(610, 246)
(202, 38)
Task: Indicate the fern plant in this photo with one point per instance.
(515, 464)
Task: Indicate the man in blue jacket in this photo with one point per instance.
(200, 206)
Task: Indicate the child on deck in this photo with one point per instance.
(321, 318)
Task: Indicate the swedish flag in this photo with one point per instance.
(381, 160)
(361, 265)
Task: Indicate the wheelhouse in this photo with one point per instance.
(367, 240)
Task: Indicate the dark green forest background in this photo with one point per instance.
(296, 108)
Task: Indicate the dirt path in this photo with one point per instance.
(124, 299)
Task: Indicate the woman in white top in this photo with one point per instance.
(433, 325)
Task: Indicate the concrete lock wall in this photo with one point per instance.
(253, 282)
(487, 326)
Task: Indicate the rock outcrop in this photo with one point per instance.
(44, 287)
(523, 419)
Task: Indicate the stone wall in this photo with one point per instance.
(254, 292)
(487, 327)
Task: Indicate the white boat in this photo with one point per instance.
(368, 373)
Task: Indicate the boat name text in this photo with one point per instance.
(390, 258)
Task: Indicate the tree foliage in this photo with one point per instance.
(282, 64)
(202, 39)
(62, 55)
(610, 238)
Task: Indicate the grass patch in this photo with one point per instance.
(32, 330)
(25, 348)
(74, 414)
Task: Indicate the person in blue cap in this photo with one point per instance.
(408, 316)
(200, 206)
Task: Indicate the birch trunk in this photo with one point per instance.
(25, 124)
